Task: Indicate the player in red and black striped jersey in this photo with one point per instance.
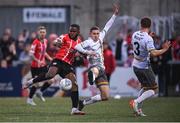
(62, 64)
(38, 64)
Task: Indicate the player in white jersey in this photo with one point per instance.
(93, 46)
(143, 46)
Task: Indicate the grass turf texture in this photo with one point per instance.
(58, 109)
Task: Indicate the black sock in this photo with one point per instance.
(32, 91)
(41, 77)
(45, 86)
(75, 98)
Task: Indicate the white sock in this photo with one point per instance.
(92, 100)
(147, 94)
(139, 94)
(31, 99)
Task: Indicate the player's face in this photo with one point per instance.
(73, 32)
(94, 34)
(42, 33)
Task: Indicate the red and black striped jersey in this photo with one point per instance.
(67, 51)
(38, 49)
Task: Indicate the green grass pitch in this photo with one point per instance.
(58, 110)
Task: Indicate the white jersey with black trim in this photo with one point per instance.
(96, 46)
(142, 45)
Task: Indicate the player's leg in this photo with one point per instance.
(147, 79)
(49, 75)
(48, 83)
(93, 73)
(32, 90)
(104, 89)
(140, 104)
(30, 100)
(52, 71)
(74, 94)
(103, 85)
(39, 92)
(149, 86)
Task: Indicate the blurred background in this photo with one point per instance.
(19, 20)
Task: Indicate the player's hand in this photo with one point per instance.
(166, 45)
(116, 8)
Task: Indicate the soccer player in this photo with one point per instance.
(143, 47)
(62, 64)
(94, 46)
(38, 64)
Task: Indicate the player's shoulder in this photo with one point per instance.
(89, 40)
(79, 40)
(135, 33)
(86, 43)
(36, 41)
(46, 40)
(148, 37)
(64, 36)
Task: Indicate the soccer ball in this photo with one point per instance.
(65, 84)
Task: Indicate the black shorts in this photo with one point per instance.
(146, 77)
(37, 71)
(102, 78)
(63, 67)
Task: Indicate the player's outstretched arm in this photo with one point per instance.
(166, 46)
(111, 21)
(80, 49)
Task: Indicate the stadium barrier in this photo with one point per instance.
(10, 82)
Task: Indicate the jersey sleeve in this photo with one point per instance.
(84, 44)
(33, 47)
(150, 44)
(107, 27)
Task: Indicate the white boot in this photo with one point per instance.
(30, 102)
(75, 111)
(39, 94)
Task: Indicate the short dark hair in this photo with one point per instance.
(145, 22)
(41, 27)
(94, 28)
(75, 25)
